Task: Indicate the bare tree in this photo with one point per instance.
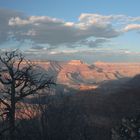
(18, 79)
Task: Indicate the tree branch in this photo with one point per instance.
(5, 103)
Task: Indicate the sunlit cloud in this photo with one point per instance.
(130, 27)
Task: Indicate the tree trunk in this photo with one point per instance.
(12, 112)
(12, 123)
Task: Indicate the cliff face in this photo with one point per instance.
(84, 76)
(79, 75)
(124, 69)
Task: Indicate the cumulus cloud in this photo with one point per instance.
(132, 27)
(35, 20)
(110, 19)
(55, 32)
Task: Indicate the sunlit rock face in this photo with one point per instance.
(79, 75)
(120, 69)
(75, 62)
(89, 76)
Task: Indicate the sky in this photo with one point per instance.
(90, 30)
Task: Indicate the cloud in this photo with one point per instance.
(68, 51)
(37, 47)
(53, 31)
(35, 20)
(132, 27)
(110, 19)
(5, 29)
(56, 32)
(94, 43)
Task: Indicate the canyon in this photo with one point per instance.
(76, 74)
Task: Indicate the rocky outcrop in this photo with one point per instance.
(79, 75)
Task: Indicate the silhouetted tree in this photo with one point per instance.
(18, 79)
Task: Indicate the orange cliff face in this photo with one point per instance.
(88, 87)
(125, 69)
(83, 76)
(79, 75)
(73, 67)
